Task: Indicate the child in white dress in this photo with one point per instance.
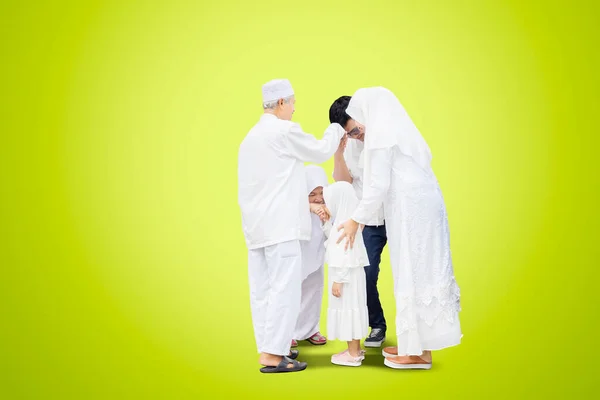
(347, 314)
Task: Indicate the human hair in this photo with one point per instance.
(337, 111)
(270, 105)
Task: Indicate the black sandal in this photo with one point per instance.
(283, 366)
(294, 354)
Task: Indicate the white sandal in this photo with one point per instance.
(345, 358)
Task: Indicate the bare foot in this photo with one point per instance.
(354, 348)
(271, 360)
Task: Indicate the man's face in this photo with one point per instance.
(316, 196)
(355, 130)
(286, 109)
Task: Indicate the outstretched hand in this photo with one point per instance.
(342, 146)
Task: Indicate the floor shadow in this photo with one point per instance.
(319, 358)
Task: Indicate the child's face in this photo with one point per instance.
(316, 196)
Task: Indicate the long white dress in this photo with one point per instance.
(313, 257)
(398, 174)
(347, 315)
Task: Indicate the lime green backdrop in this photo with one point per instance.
(123, 261)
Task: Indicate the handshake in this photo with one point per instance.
(321, 211)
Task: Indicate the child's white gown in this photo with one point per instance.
(347, 316)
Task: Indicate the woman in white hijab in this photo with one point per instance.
(313, 255)
(398, 174)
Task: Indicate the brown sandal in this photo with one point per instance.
(407, 362)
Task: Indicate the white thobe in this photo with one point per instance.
(275, 217)
(427, 295)
(272, 181)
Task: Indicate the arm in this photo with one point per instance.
(326, 227)
(307, 148)
(339, 275)
(374, 193)
(340, 169)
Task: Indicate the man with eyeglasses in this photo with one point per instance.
(348, 166)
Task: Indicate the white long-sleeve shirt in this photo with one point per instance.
(371, 203)
(353, 155)
(272, 181)
(338, 274)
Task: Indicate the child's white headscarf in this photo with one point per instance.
(341, 201)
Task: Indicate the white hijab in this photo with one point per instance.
(313, 250)
(341, 201)
(387, 124)
(315, 177)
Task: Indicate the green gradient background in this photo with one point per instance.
(123, 262)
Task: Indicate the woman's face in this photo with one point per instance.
(316, 196)
(355, 130)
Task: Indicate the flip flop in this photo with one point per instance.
(283, 366)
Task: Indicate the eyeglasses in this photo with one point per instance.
(354, 132)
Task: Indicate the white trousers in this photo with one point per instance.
(310, 305)
(275, 274)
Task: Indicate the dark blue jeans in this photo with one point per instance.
(375, 238)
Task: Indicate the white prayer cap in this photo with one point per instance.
(277, 89)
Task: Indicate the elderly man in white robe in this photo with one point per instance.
(398, 174)
(276, 217)
(313, 258)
